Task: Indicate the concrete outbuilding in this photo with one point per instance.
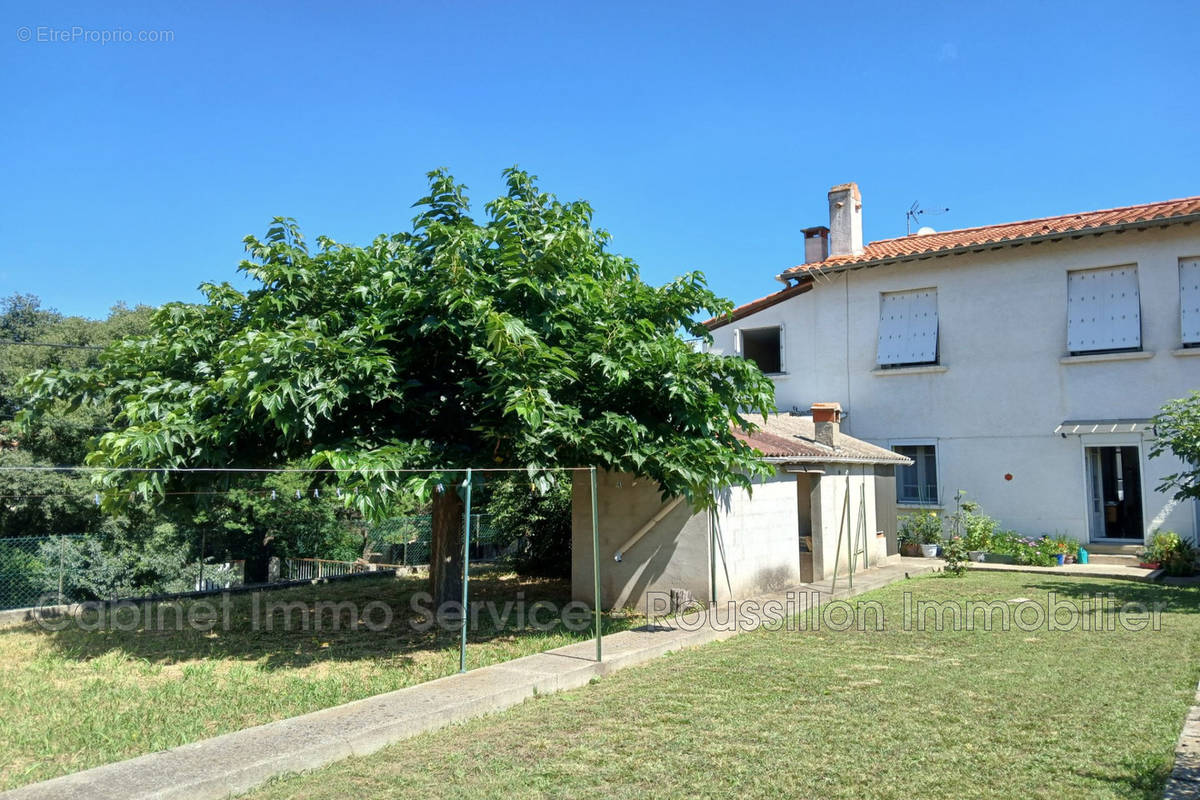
(831, 495)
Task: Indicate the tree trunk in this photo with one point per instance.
(446, 547)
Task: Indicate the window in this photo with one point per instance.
(917, 484)
(763, 346)
(1189, 301)
(1103, 310)
(908, 328)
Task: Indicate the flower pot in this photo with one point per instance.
(1149, 565)
(975, 555)
(1061, 558)
(910, 549)
(999, 558)
(929, 550)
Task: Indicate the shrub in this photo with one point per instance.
(920, 528)
(536, 524)
(954, 553)
(1173, 554)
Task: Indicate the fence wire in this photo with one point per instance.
(71, 568)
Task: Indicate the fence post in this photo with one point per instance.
(596, 562)
(203, 547)
(462, 650)
(62, 542)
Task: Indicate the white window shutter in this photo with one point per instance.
(923, 327)
(737, 341)
(1189, 300)
(908, 327)
(1103, 309)
(782, 353)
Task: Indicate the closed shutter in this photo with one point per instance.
(1103, 310)
(908, 327)
(1189, 300)
(737, 341)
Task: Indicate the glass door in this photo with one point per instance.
(1115, 493)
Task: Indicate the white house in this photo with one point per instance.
(1019, 362)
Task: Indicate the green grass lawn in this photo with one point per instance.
(894, 714)
(75, 699)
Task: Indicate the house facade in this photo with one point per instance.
(1020, 363)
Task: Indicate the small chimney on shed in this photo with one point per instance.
(845, 220)
(827, 422)
(816, 244)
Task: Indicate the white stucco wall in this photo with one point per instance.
(757, 536)
(1002, 333)
(758, 545)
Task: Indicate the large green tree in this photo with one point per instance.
(515, 341)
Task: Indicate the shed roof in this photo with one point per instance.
(790, 438)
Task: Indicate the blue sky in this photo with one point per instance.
(704, 134)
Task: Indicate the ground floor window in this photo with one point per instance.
(917, 484)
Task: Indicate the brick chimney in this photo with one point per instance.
(845, 220)
(827, 420)
(816, 244)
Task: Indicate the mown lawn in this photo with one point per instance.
(894, 714)
(75, 699)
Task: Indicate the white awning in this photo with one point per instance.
(1079, 427)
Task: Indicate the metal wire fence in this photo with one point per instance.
(76, 567)
(35, 570)
(405, 541)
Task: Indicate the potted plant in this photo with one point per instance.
(919, 534)
(1171, 553)
(930, 539)
(975, 527)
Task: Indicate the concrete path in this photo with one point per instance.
(1185, 778)
(1078, 570)
(239, 761)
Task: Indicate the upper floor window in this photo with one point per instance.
(908, 328)
(1104, 312)
(1189, 301)
(763, 346)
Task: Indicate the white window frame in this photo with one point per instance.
(913, 339)
(1189, 301)
(739, 348)
(937, 465)
(1091, 325)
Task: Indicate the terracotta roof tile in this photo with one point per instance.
(793, 438)
(1010, 232)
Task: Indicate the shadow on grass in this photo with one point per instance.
(1141, 777)
(1174, 599)
(367, 619)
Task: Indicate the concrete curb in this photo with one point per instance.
(1075, 570)
(1184, 782)
(237, 762)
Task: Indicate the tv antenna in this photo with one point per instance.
(915, 212)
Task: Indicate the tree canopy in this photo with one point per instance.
(516, 341)
(1177, 431)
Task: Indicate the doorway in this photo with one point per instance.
(1114, 493)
